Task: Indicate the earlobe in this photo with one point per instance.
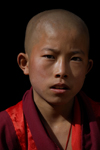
(90, 65)
(22, 60)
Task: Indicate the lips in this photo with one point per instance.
(59, 88)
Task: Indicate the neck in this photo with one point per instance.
(55, 114)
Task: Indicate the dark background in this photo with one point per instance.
(14, 18)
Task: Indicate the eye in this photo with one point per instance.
(76, 59)
(49, 56)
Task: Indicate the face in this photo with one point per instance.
(58, 65)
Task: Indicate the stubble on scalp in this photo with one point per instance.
(50, 20)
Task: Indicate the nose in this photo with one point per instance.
(61, 69)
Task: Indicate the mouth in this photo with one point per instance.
(59, 88)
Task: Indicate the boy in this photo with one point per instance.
(54, 114)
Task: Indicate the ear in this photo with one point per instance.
(22, 60)
(90, 65)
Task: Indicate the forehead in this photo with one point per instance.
(63, 29)
(52, 30)
(68, 34)
(65, 40)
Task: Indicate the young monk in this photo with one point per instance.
(54, 114)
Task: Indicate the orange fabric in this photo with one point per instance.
(76, 127)
(25, 137)
(22, 131)
(16, 115)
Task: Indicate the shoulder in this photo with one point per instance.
(4, 121)
(13, 110)
(92, 105)
(95, 107)
(5, 124)
(8, 138)
(96, 110)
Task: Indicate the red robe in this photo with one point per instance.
(22, 129)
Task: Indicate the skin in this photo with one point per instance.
(59, 54)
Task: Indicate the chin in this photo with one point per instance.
(58, 101)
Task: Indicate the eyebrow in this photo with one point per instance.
(50, 49)
(78, 51)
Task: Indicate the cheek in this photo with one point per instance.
(78, 69)
(79, 74)
(38, 71)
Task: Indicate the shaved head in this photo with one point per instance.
(51, 21)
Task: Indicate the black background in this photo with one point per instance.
(14, 18)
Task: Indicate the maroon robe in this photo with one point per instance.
(22, 129)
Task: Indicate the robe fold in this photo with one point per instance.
(21, 127)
